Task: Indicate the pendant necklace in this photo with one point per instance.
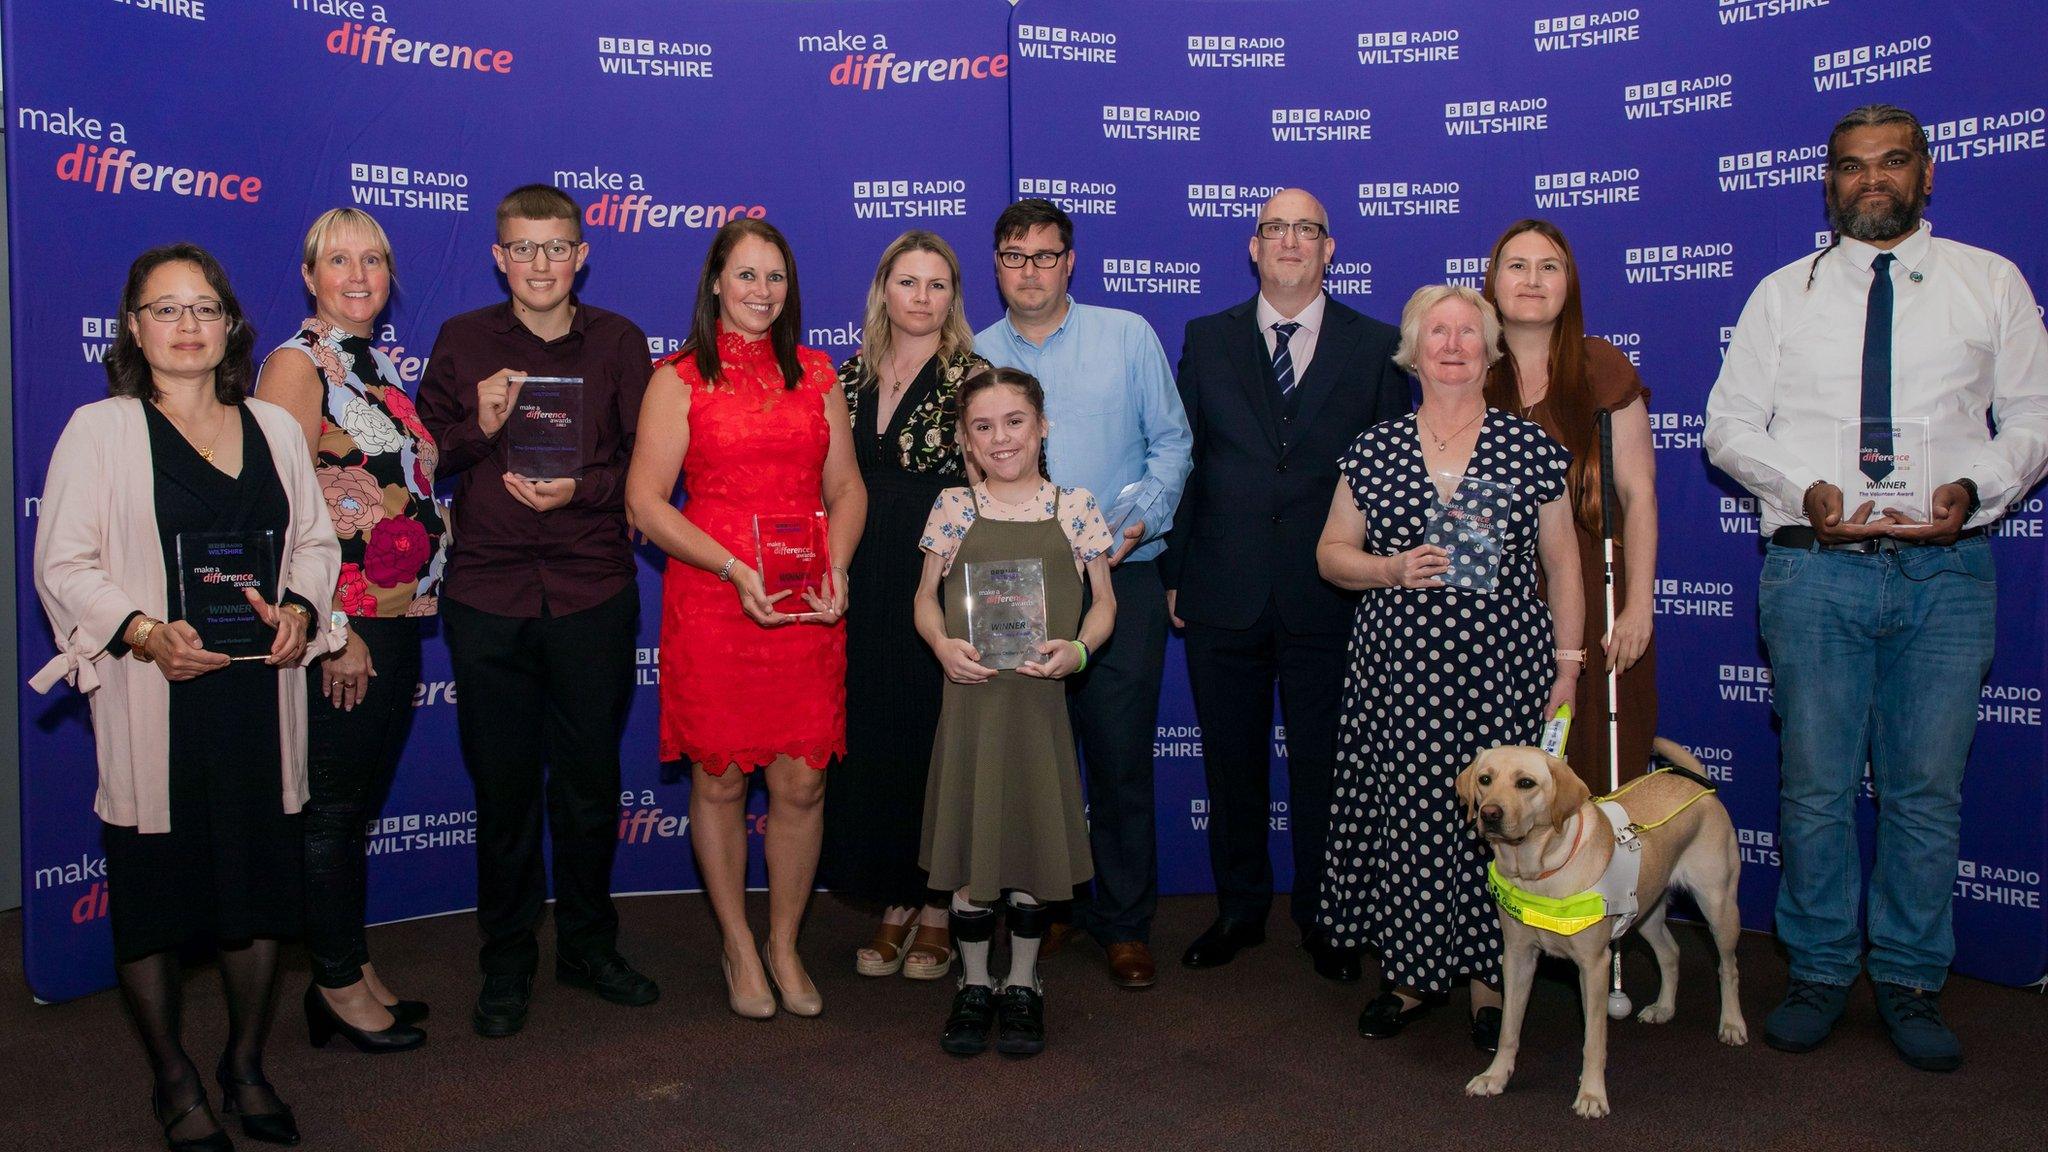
(1443, 444)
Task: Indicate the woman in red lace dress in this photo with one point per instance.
(750, 679)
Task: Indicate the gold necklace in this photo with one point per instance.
(205, 453)
(1443, 444)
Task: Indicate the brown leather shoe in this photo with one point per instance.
(1057, 934)
(1130, 965)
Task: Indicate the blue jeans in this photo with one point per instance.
(1877, 656)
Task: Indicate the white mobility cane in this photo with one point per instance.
(1618, 1005)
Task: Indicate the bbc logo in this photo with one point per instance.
(1383, 191)
(1212, 43)
(100, 327)
(1041, 32)
(1468, 109)
(1746, 161)
(1297, 115)
(1966, 869)
(1823, 239)
(380, 173)
(625, 46)
(1464, 265)
(1114, 267)
(1548, 180)
(1652, 255)
(391, 824)
(1738, 506)
(1829, 61)
(1561, 24)
(1744, 674)
(875, 189)
(1026, 186)
(1382, 39)
(1126, 114)
(1756, 837)
(1212, 191)
(1650, 91)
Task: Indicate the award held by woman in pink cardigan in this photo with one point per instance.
(214, 568)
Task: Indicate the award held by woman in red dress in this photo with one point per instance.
(789, 553)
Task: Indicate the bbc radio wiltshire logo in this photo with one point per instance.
(1989, 134)
(1873, 63)
(868, 62)
(1065, 45)
(1228, 201)
(1137, 277)
(1076, 197)
(1409, 198)
(1237, 52)
(1588, 188)
(624, 204)
(908, 199)
(102, 162)
(1321, 125)
(403, 186)
(1145, 123)
(1496, 117)
(1763, 168)
(1408, 46)
(651, 56)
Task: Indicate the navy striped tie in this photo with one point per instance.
(1283, 360)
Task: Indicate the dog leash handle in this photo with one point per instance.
(1555, 731)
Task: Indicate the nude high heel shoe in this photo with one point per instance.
(760, 1007)
(795, 1003)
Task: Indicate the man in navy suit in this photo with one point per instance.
(1276, 389)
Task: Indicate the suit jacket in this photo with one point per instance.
(1247, 527)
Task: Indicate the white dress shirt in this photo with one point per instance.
(1302, 345)
(1967, 344)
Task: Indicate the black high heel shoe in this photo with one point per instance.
(277, 1127)
(408, 1012)
(214, 1141)
(322, 1025)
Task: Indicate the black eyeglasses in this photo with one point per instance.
(522, 251)
(1014, 259)
(166, 312)
(1304, 230)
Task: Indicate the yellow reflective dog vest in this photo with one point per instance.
(1614, 894)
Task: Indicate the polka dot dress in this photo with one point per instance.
(1436, 676)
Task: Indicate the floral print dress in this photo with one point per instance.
(375, 462)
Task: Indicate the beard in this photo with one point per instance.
(1885, 218)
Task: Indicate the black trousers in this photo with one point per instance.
(1114, 706)
(541, 704)
(350, 759)
(1232, 672)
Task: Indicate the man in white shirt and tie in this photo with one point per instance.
(1879, 618)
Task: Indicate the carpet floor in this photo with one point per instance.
(1260, 1053)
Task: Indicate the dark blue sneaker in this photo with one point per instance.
(1806, 1017)
(1922, 1037)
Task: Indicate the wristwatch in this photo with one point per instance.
(725, 570)
(138, 647)
(301, 609)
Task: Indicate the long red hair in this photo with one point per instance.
(1570, 394)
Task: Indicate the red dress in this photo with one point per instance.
(733, 692)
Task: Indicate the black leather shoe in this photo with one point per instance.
(1020, 1021)
(322, 1025)
(276, 1127)
(1486, 1029)
(408, 1011)
(1220, 943)
(501, 1006)
(1384, 1017)
(609, 976)
(967, 1025)
(1332, 963)
(214, 1141)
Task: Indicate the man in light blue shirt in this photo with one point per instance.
(1118, 430)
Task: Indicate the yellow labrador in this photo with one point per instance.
(1551, 841)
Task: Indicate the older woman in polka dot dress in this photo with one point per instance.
(1448, 657)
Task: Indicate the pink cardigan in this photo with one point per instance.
(99, 558)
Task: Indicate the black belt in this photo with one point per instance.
(1802, 536)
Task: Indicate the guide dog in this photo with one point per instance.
(1553, 843)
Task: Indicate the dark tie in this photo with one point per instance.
(1876, 446)
(1283, 360)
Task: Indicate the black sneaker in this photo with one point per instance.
(967, 1025)
(609, 976)
(501, 1006)
(1020, 1021)
(1922, 1037)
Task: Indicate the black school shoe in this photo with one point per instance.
(1384, 1017)
(1020, 1021)
(501, 1006)
(608, 975)
(968, 1024)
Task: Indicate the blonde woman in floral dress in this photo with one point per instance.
(375, 463)
(903, 392)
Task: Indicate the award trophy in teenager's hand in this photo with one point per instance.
(1006, 611)
(213, 570)
(1468, 525)
(1885, 465)
(545, 431)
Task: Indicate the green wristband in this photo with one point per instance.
(1083, 650)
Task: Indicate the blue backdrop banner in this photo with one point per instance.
(1678, 144)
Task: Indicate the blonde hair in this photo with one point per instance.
(1429, 296)
(877, 337)
(333, 218)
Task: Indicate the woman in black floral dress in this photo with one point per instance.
(902, 389)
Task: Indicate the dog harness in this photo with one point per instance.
(1612, 895)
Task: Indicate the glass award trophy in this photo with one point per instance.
(1006, 611)
(213, 569)
(1118, 515)
(1885, 464)
(1468, 525)
(789, 553)
(545, 433)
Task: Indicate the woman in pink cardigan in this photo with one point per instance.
(201, 745)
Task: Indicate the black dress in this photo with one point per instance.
(230, 868)
(874, 798)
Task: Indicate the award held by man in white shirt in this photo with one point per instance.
(1884, 463)
(1006, 611)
